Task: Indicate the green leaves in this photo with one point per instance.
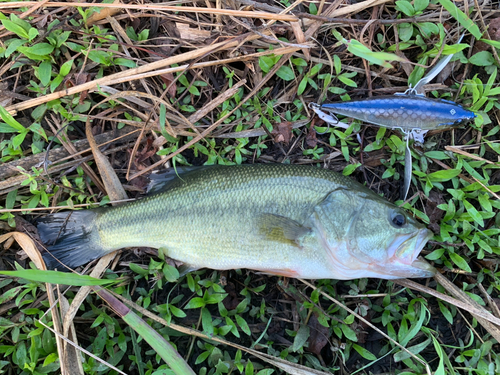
(410, 9)
(38, 50)
(443, 175)
(473, 213)
(192, 88)
(20, 27)
(171, 273)
(285, 73)
(461, 17)
(267, 62)
(483, 58)
(207, 299)
(63, 72)
(377, 58)
(364, 352)
(45, 72)
(300, 338)
(460, 262)
(55, 277)
(406, 7)
(11, 125)
(308, 79)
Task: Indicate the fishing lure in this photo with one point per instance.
(411, 112)
(404, 111)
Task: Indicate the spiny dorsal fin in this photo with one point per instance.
(161, 181)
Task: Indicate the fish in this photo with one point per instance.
(288, 220)
(404, 112)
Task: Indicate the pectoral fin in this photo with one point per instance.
(282, 229)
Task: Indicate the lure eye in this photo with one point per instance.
(398, 220)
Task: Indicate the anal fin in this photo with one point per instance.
(287, 272)
(186, 268)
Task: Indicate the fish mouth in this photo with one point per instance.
(409, 248)
(407, 253)
(404, 262)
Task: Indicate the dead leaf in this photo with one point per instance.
(231, 301)
(300, 38)
(311, 139)
(191, 33)
(168, 78)
(362, 332)
(102, 14)
(28, 246)
(493, 31)
(319, 335)
(282, 132)
(488, 263)
(109, 178)
(435, 214)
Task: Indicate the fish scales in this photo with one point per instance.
(269, 218)
(218, 205)
(403, 111)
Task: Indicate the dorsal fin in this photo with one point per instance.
(161, 181)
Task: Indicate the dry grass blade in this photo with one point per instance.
(182, 68)
(458, 150)
(72, 151)
(67, 347)
(79, 348)
(195, 139)
(301, 38)
(461, 300)
(355, 8)
(59, 154)
(165, 8)
(289, 367)
(13, 182)
(71, 357)
(28, 245)
(52, 208)
(214, 103)
(334, 11)
(159, 343)
(207, 131)
(428, 369)
(116, 192)
(258, 132)
(97, 272)
(177, 59)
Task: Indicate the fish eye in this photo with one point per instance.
(398, 220)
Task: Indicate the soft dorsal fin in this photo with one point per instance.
(282, 229)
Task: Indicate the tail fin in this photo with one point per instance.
(71, 238)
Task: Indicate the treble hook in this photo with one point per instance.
(330, 119)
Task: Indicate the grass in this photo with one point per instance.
(232, 87)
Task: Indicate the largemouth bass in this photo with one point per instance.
(295, 221)
(403, 111)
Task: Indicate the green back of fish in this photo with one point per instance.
(222, 217)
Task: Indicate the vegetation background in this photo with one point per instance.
(229, 82)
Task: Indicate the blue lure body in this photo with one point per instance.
(403, 111)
